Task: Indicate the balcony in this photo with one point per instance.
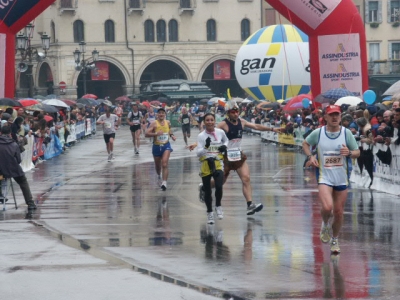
(136, 6)
(68, 6)
(187, 6)
(384, 67)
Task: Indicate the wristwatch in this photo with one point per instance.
(309, 156)
(349, 155)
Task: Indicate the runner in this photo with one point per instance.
(334, 144)
(150, 117)
(118, 111)
(110, 125)
(185, 119)
(160, 131)
(235, 160)
(134, 120)
(211, 142)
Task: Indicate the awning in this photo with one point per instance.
(188, 94)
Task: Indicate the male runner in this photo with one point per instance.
(235, 159)
(185, 119)
(160, 131)
(134, 120)
(334, 144)
(110, 125)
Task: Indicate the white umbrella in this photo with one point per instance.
(215, 100)
(393, 89)
(238, 99)
(55, 102)
(350, 100)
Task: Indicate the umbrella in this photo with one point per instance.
(87, 101)
(55, 102)
(280, 101)
(268, 106)
(387, 98)
(335, 94)
(80, 105)
(204, 100)
(381, 106)
(247, 101)
(296, 102)
(51, 96)
(145, 103)
(237, 99)
(155, 103)
(90, 96)
(69, 102)
(107, 102)
(42, 107)
(215, 100)
(28, 102)
(122, 98)
(351, 100)
(9, 102)
(393, 89)
(48, 118)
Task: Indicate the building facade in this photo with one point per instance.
(139, 42)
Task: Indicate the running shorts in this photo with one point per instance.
(233, 165)
(186, 128)
(107, 137)
(135, 128)
(158, 150)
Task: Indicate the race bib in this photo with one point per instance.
(185, 121)
(107, 125)
(213, 149)
(135, 122)
(234, 154)
(162, 138)
(333, 160)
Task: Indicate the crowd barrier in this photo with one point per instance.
(38, 148)
(386, 163)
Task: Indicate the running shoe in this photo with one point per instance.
(137, 151)
(253, 208)
(210, 218)
(159, 177)
(109, 157)
(335, 245)
(219, 212)
(324, 235)
(201, 193)
(164, 185)
(112, 156)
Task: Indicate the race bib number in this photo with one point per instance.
(107, 125)
(162, 138)
(185, 121)
(135, 122)
(201, 114)
(213, 149)
(234, 155)
(333, 160)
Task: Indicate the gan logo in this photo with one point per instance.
(261, 65)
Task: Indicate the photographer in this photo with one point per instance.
(9, 164)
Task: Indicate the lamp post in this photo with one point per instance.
(82, 64)
(29, 53)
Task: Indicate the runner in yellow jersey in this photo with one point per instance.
(161, 132)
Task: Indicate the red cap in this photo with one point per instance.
(330, 109)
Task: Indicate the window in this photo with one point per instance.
(109, 32)
(134, 3)
(373, 11)
(185, 4)
(394, 11)
(374, 54)
(395, 51)
(79, 34)
(149, 31)
(211, 30)
(173, 30)
(245, 29)
(52, 32)
(161, 31)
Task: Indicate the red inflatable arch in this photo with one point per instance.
(14, 16)
(337, 42)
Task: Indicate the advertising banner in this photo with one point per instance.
(222, 70)
(313, 11)
(2, 63)
(101, 72)
(340, 62)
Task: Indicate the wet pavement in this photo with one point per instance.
(114, 214)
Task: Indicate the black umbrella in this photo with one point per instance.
(204, 100)
(43, 107)
(9, 102)
(87, 101)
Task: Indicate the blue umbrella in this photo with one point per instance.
(387, 98)
(335, 94)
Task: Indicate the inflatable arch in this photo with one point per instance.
(337, 42)
(14, 16)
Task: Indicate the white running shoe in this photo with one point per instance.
(220, 213)
(164, 185)
(210, 218)
(109, 157)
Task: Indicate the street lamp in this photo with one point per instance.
(82, 64)
(29, 53)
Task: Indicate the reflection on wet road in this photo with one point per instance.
(117, 211)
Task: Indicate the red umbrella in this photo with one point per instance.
(48, 118)
(145, 103)
(123, 98)
(155, 103)
(90, 96)
(28, 102)
(69, 102)
(296, 102)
